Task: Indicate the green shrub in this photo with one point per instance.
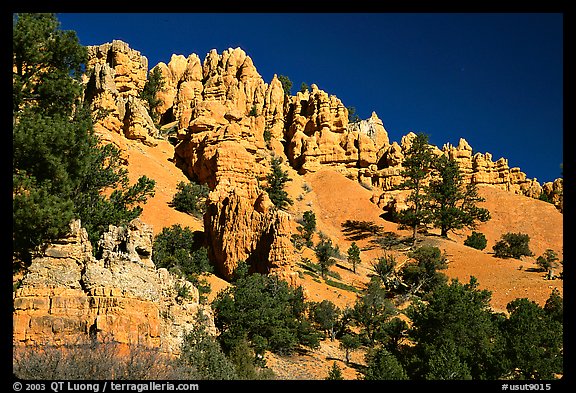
(266, 311)
(476, 240)
(512, 245)
(180, 250)
(190, 198)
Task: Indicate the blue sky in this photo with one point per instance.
(494, 79)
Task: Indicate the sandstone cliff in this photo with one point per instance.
(229, 123)
(309, 129)
(117, 74)
(224, 107)
(68, 295)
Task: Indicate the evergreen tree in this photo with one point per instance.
(201, 351)
(476, 240)
(190, 198)
(453, 204)
(352, 115)
(308, 227)
(349, 342)
(180, 251)
(382, 366)
(417, 167)
(277, 178)
(534, 344)
(335, 373)
(554, 306)
(423, 276)
(512, 245)
(548, 262)
(354, 256)
(266, 311)
(385, 267)
(47, 65)
(325, 253)
(371, 311)
(325, 314)
(60, 171)
(286, 84)
(154, 84)
(456, 324)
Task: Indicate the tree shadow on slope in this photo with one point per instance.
(359, 230)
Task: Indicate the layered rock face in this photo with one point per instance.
(223, 107)
(118, 75)
(68, 295)
(478, 168)
(230, 122)
(318, 132)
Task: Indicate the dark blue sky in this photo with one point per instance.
(493, 79)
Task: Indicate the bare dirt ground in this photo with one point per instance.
(335, 199)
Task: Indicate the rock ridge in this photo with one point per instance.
(68, 295)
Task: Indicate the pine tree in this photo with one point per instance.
(325, 253)
(349, 342)
(153, 85)
(286, 84)
(354, 255)
(335, 373)
(417, 167)
(277, 178)
(453, 204)
(60, 170)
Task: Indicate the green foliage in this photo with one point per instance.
(335, 373)
(325, 253)
(180, 251)
(444, 363)
(554, 306)
(544, 197)
(177, 247)
(457, 325)
(548, 261)
(417, 168)
(267, 135)
(60, 171)
(383, 365)
(47, 65)
(325, 315)
(534, 344)
(265, 310)
(352, 116)
(182, 291)
(308, 227)
(349, 342)
(371, 311)
(476, 240)
(190, 198)
(385, 269)
(304, 87)
(423, 276)
(338, 284)
(277, 178)
(394, 330)
(354, 255)
(286, 84)
(512, 245)
(154, 84)
(253, 111)
(453, 205)
(201, 351)
(246, 363)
